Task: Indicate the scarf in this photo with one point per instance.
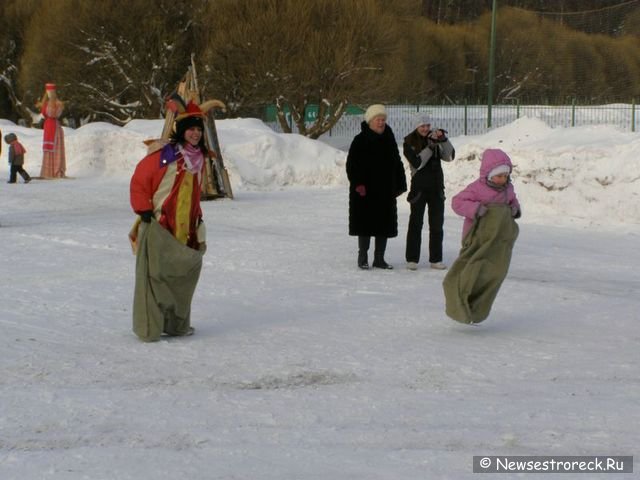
(193, 158)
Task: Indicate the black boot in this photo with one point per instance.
(363, 252)
(378, 255)
(25, 176)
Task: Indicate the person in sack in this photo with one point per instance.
(376, 177)
(493, 187)
(489, 206)
(169, 236)
(16, 159)
(425, 148)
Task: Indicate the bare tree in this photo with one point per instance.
(115, 59)
(15, 15)
(298, 53)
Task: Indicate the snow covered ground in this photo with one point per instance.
(302, 366)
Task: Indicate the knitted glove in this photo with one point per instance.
(481, 212)
(438, 135)
(515, 211)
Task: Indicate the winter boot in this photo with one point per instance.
(438, 266)
(363, 260)
(363, 252)
(378, 255)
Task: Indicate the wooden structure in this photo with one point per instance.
(216, 183)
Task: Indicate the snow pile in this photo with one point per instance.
(582, 174)
(255, 155)
(262, 158)
(586, 175)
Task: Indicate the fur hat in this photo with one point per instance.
(422, 119)
(499, 170)
(374, 111)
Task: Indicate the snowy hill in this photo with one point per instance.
(585, 175)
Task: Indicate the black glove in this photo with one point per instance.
(146, 216)
(441, 135)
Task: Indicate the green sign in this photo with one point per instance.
(310, 113)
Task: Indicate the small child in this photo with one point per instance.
(16, 158)
(493, 187)
(489, 206)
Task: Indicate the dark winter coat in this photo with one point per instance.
(16, 150)
(374, 161)
(427, 176)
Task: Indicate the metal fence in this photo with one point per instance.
(472, 119)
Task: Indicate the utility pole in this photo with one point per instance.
(492, 60)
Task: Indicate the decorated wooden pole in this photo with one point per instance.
(218, 184)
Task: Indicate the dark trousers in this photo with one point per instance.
(379, 248)
(15, 169)
(435, 202)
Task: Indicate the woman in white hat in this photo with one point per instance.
(376, 178)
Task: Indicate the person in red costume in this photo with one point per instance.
(170, 235)
(54, 163)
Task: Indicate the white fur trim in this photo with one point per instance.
(500, 169)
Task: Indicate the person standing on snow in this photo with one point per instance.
(169, 237)
(424, 149)
(54, 164)
(376, 178)
(16, 159)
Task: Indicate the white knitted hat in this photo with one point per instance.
(500, 169)
(422, 119)
(374, 111)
